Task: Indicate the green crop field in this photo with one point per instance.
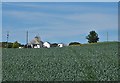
(0, 64)
(90, 62)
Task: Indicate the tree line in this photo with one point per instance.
(92, 38)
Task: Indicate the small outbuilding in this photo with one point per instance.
(46, 44)
(60, 45)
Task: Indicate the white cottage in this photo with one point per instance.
(46, 44)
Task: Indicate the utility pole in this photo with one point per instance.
(27, 39)
(107, 36)
(7, 38)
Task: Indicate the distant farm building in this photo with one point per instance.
(36, 43)
(46, 44)
(60, 45)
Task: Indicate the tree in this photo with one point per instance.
(92, 37)
(16, 44)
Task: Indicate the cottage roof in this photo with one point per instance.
(34, 41)
(47, 42)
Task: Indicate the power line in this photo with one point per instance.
(27, 38)
(7, 38)
(107, 36)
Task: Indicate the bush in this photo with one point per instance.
(4, 44)
(54, 45)
(10, 45)
(75, 43)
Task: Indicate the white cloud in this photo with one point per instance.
(97, 20)
(87, 21)
(91, 19)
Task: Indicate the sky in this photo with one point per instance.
(1, 22)
(60, 0)
(59, 22)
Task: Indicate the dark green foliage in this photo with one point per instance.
(21, 45)
(10, 44)
(16, 45)
(74, 43)
(54, 45)
(4, 44)
(94, 62)
(92, 37)
(0, 44)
